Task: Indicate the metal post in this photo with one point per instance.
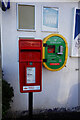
(30, 104)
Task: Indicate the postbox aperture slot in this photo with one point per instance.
(30, 55)
(51, 48)
(25, 50)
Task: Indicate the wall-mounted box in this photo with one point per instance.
(30, 65)
(55, 52)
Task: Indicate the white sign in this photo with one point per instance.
(75, 51)
(31, 88)
(30, 75)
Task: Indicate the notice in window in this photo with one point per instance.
(50, 19)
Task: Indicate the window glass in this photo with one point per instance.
(26, 17)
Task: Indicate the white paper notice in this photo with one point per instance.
(30, 71)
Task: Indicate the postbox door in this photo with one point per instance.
(32, 77)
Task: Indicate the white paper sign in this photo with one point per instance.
(30, 74)
(31, 88)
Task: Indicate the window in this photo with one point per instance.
(50, 18)
(26, 17)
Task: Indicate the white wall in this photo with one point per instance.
(79, 74)
(60, 89)
(0, 71)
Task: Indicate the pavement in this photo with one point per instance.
(50, 116)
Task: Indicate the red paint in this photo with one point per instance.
(51, 49)
(54, 63)
(25, 88)
(30, 51)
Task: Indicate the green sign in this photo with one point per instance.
(54, 52)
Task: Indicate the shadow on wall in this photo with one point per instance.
(79, 93)
(64, 94)
(73, 98)
(49, 94)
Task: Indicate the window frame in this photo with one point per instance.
(29, 30)
(73, 34)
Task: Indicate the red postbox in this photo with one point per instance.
(30, 65)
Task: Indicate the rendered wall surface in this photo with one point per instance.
(79, 72)
(60, 89)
